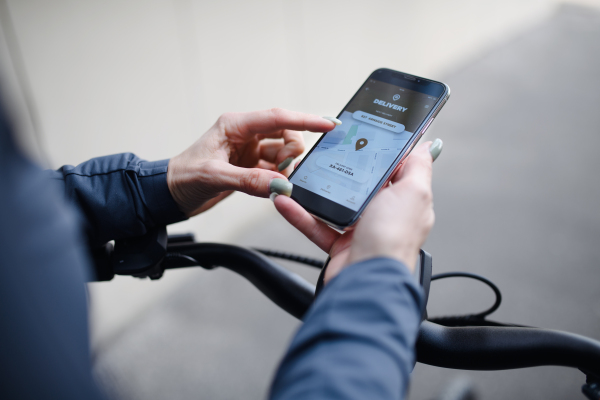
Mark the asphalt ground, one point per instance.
(517, 198)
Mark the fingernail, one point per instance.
(281, 186)
(436, 148)
(285, 163)
(272, 197)
(334, 120)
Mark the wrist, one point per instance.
(407, 255)
(174, 185)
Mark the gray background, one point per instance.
(516, 188)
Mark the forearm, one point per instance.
(119, 195)
(357, 341)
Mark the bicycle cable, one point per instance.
(292, 257)
(478, 316)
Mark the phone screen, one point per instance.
(348, 163)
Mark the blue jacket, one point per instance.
(357, 341)
(358, 338)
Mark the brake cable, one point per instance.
(477, 319)
(292, 257)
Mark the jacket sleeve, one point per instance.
(119, 196)
(43, 266)
(358, 338)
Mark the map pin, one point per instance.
(360, 143)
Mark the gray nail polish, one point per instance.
(436, 148)
(285, 163)
(334, 120)
(281, 186)
(272, 197)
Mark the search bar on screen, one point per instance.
(378, 121)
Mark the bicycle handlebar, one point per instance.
(470, 348)
(498, 348)
(286, 289)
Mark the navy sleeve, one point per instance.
(358, 338)
(43, 269)
(119, 196)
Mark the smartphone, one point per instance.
(381, 124)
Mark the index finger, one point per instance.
(274, 120)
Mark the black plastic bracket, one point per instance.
(425, 271)
(101, 261)
(141, 256)
(591, 391)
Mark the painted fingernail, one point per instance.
(281, 186)
(334, 120)
(272, 197)
(436, 148)
(285, 163)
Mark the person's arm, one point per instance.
(122, 196)
(357, 341)
(119, 196)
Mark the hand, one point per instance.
(234, 155)
(395, 224)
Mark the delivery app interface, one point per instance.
(349, 161)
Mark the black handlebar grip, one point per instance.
(498, 348)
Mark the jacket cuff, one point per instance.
(372, 270)
(359, 267)
(159, 201)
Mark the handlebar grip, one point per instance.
(497, 348)
(286, 289)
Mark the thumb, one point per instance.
(253, 181)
